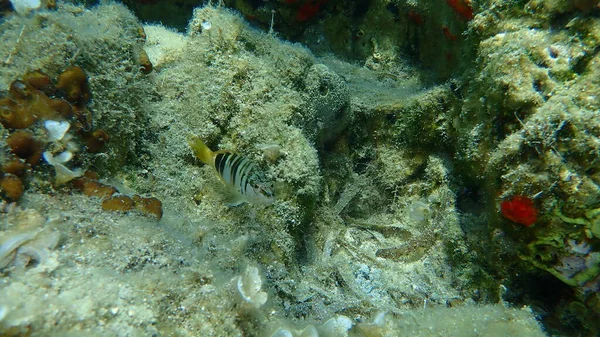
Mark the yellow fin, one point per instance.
(201, 151)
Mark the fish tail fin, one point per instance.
(201, 151)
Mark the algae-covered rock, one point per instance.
(52, 41)
(235, 88)
(528, 127)
(327, 113)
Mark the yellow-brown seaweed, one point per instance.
(39, 80)
(16, 166)
(145, 62)
(12, 187)
(24, 145)
(151, 206)
(118, 203)
(93, 188)
(73, 83)
(14, 115)
(95, 140)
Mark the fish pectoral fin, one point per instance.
(231, 196)
(235, 201)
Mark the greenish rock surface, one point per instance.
(528, 127)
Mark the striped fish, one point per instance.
(239, 173)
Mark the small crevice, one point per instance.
(581, 65)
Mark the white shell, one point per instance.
(56, 129)
(63, 174)
(282, 333)
(206, 25)
(336, 327)
(63, 157)
(25, 6)
(49, 158)
(249, 284)
(309, 331)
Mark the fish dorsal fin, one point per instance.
(201, 151)
(222, 151)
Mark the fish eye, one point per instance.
(262, 189)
